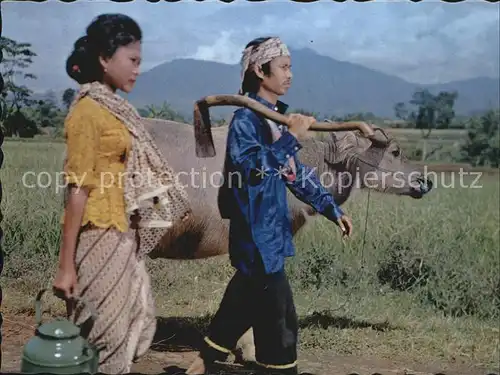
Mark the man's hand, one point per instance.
(299, 124)
(345, 225)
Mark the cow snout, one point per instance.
(421, 187)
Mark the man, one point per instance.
(262, 156)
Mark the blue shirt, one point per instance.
(254, 193)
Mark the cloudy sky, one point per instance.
(425, 42)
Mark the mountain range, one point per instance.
(320, 84)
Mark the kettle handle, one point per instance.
(38, 308)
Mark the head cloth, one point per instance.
(261, 54)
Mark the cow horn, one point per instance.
(202, 126)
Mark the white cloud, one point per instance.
(223, 49)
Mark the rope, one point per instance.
(361, 159)
(364, 233)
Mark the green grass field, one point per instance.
(424, 287)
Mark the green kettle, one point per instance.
(58, 348)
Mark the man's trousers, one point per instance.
(265, 303)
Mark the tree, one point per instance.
(482, 147)
(17, 58)
(19, 124)
(68, 96)
(47, 113)
(428, 112)
(401, 111)
(164, 112)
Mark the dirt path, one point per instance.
(173, 357)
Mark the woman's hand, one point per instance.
(65, 282)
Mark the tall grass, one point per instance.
(421, 280)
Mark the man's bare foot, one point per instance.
(197, 367)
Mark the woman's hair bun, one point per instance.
(82, 42)
(82, 64)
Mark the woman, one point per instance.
(120, 200)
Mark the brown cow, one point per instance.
(346, 158)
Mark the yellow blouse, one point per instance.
(97, 146)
